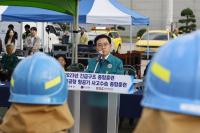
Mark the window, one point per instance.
(114, 35)
(155, 36)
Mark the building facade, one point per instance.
(157, 11)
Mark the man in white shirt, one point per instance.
(32, 43)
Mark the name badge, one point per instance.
(109, 66)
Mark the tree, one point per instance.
(188, 22)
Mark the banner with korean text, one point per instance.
(123, 84)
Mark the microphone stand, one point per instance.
(98, 59)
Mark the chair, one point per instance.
(20, 52)
(130, 104)
(77, 67)
(60, 49)
(130, 70)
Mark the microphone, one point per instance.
(99, 57)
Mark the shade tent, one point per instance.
(30, 14)
(90, 12)
(136, 18)
(109, 12)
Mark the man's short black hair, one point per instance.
(100, 37)
(34, 28)
(11, 26)
(27, 26)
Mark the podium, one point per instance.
(96, 111)
(91, 118)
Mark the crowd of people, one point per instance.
(31, 41)
(31, 45)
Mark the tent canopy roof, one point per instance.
(64, 6)
(31, 14)
(90, 11)
(109, 12)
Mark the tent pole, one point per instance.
(43, 36)
(169, 14)
(131, 40)
(148, 42)
(75, 35)
(76, 95)
(21, 40)
(131, 30)
(71, 33)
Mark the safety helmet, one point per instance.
(173, 78)
(38, 79)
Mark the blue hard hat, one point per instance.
(38, 79)
(173, 78)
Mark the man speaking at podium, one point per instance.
(105, 63)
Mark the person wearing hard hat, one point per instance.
(38, 94)
(172, 95)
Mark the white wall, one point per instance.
(156, 10)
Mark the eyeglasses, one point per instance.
(103, 44)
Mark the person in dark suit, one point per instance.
(108, 64)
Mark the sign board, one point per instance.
(123, 84)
